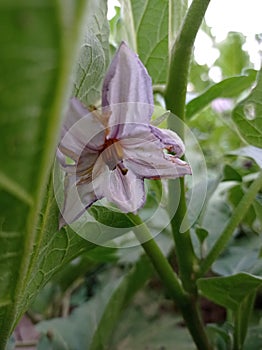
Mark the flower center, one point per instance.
(112, 155)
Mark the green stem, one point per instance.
(234, 221)
(175, 96)
(159, 261)
(186, 303)
(241, 320)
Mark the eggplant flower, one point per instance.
(114, 151)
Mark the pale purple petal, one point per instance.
(148, 160)
(81, 131)
(129, 118)
(75, 111)
(77, 199)
(127, 81)
(170, 140)
(126, 191)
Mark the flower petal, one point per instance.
(126, 191)
(147, 159)
(127, 118)
(81, 132)
(77, 199)
(127, 81)
(170, 140)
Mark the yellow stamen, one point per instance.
(113, 155)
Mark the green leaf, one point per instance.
(242, 255)
(201, 234)
(221, 335)
(131, 283)
(232, 58)
(216, 213)
(235, 195)
(254, 338)
(177, 12)
(230, 291)
(40, 40)
(228, 88)
(230, 174)
(52, 251)
(150, 323)
(93, 56)
(145, 28)
(112, 218)
(247, 115)
(237, 293)
(91, 325)
(242, 319)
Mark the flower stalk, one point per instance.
(175, 98)
(185, 301)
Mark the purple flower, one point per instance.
(114, 151)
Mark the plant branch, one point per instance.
(165, 271)
(175, 96)
(181, 52)
(234, 221)
(185, 302)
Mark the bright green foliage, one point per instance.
(230, 291)
(248, 115)
(93, 323)
(39, 41)
(232, 56)
(145, 26)
(236, 293)
(230, 87)
(93, 56)
(110, 217)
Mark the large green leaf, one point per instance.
(90, 326)
(232, 58)
(93, 56)
(145, 27)
(248, 115)
(122, 296)
(236, 292)
(53, 250)
(242, 255)
(229, 291)
(177, 12)
(39, 41)
(228, 88)
(151, 323)
(110, 217)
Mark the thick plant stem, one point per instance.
(159, 261)
(234, 221)
(185, 302)
(175, 96)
